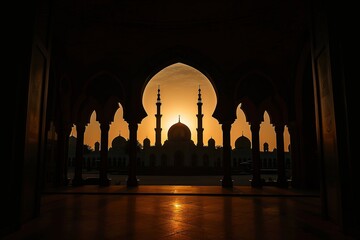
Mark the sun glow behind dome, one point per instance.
(185, 119)
(179, 85)
(179, 131)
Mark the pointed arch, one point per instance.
(102, 92)
(255, 86)
(180, 54)
(104, 85)
(276, 108)
(165, 87)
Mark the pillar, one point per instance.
(65, 162)
(255, 148)
(59, 170)
(132, 180)
(280, 156)
(295, 156)
(103, 178)
(227, 180)
(78, 181)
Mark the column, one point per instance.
(59, 171)
(62, 154)
(280, 156)
(227, 180)
(255, 148)
(67, 131)
(78, 181)
(132, 180)
(103, 178)
(295, 156)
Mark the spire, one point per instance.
(158, 119)
(199, 94)
(199, 116)
(179, 118)
(158, 95)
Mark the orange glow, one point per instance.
(177, 205)
(179, 84)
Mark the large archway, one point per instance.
(179, 84)
(174, 95)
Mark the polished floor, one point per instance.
(179, 212)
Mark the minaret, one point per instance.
(158, 120)
(200, 129)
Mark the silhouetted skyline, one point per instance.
(290, 61)
(179, 85)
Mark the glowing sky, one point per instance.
(179, 86)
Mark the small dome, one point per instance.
(97, 146)
(179, 132)
(146, 142)
(118, 142)
(242, 143)
(211, 142)
(266, 147)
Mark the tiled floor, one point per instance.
(179, 212)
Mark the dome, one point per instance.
(242, 143)
(211, 142)
(179, 132)
(118, 142)
(146, 142)
(97, 146)
(266, 147)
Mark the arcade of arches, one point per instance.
(180, 155)
(289, 59)
(257, 93)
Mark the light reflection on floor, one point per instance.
(175, 216)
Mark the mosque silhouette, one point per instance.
(291, 59)
(179, 155)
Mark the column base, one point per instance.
(132, 182)
(104, 182)
(256, 183)
(226, 182)
(282, 184)
(67, 182)
(77, 182)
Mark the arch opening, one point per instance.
(179, 92)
